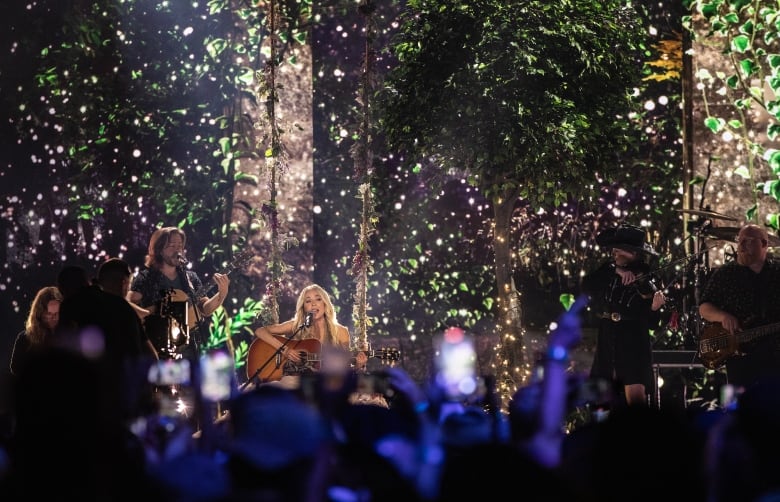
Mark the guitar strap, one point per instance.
(189, 290)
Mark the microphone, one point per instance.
(182, 259)
(730, 255)
(309, 318)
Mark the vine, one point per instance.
(743, 32)
(362, 155)
(276, 159)
(258, 84)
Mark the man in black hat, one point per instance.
(624, 295)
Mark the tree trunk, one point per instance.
(510, 372)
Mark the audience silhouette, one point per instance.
(316, 444)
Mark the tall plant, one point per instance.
(144, 113)
(529, 99)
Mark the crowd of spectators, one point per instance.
(413, 442)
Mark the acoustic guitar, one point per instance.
(716, 345)
(177, 305)
(261, 353)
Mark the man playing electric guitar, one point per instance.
(743, 294)
(164, 296)
(314, 319)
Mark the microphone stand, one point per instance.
(276, 355)
(700, 269)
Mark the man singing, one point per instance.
(167, 296)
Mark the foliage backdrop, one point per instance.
(123, 115)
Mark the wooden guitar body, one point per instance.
(177, 305)
(716, 344)
(260, 354)
(310, 351)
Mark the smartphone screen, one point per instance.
(456, 364)
(173, 394)
(216, 372)
(169, 372)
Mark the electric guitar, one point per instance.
(177, 305)
(261, 353)
(716, 344)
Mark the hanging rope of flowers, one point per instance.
(276, 158)
(362, 156)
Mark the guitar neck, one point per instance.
(756, 333)
(205, 289)
(237, 262)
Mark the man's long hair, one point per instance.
(158, 241)
(35, 326)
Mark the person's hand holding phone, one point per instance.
(545, 445)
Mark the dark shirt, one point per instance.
(21, 353)
(125, 351)
(623, 347)
(123, 333)
(754, 299)
(609, 295)
(154, 288)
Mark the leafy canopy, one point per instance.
(528, 96)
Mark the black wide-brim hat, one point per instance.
(626, 237)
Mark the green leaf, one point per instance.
(215, 47)
(773, 220)
(772, 188)
(772, 157)
(714, 124)
(750, 214)
(736, 5)
(224, 146)
(567, 300)
(697, 180)
(748, 67)
(747, 28)
(774, 83)
(709, 10)
(773, 132)
(247, 76)
(740, 43)
(742, 172)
